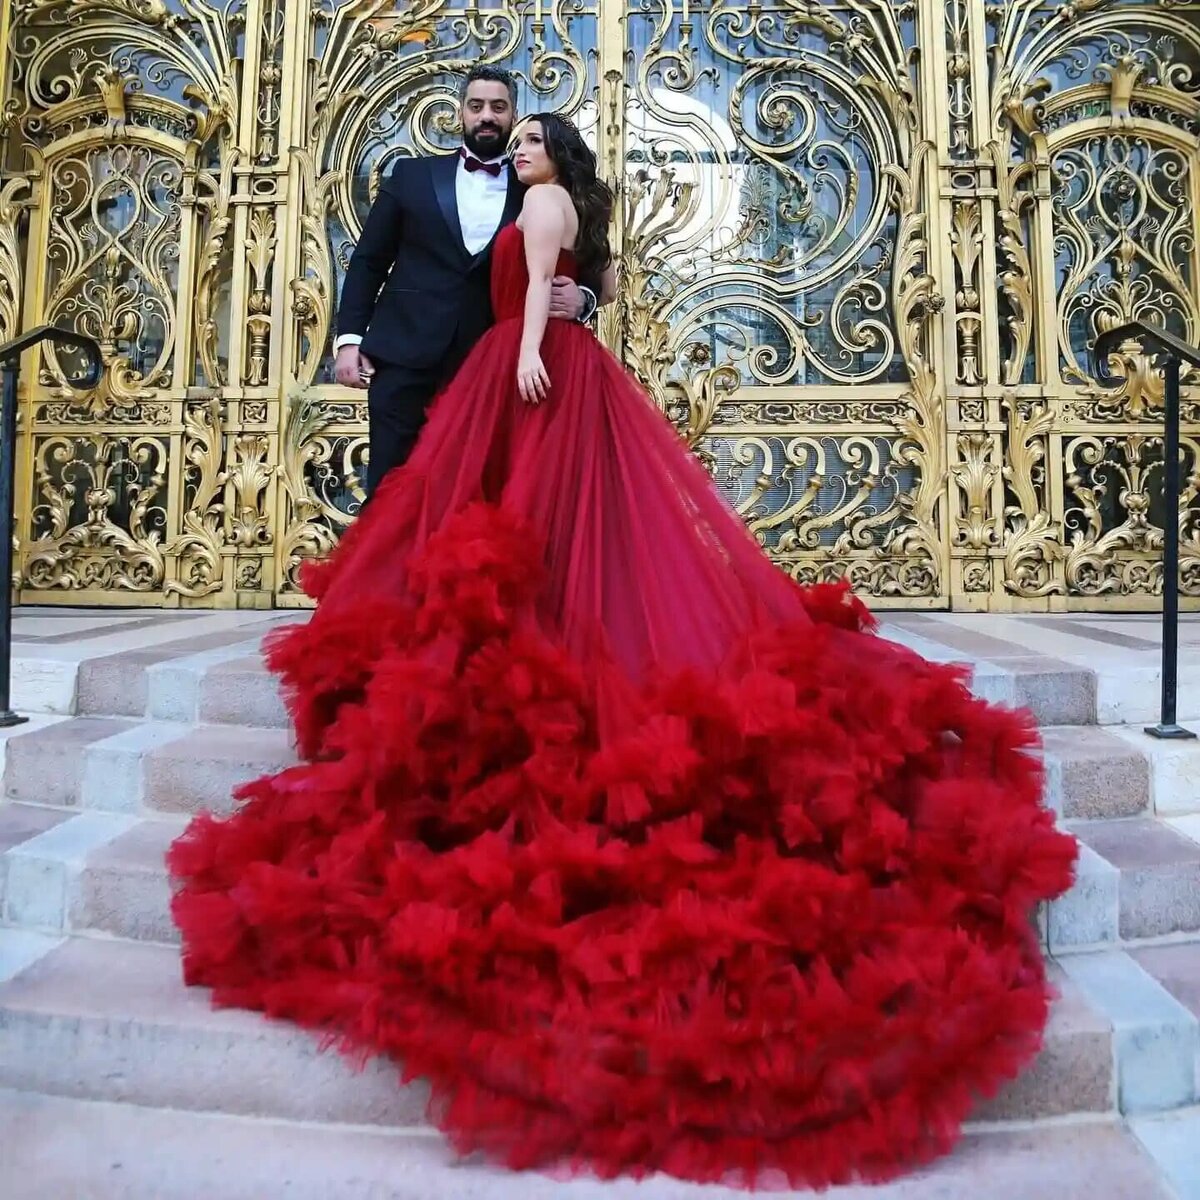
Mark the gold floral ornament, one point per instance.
(862, 280)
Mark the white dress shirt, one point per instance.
(481, 198)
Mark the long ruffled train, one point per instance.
(646, 858)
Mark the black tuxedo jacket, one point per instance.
(412, 289)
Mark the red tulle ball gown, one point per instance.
(643, 856)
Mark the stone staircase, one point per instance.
(98, 1034)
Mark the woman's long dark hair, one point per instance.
(592, 197)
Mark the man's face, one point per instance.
(487, 115)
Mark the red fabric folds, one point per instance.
(646, 858)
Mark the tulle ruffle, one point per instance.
(776, 920)
(645, 858)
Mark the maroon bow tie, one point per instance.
(473, 164)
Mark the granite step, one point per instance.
(1105, 772)
(1138, 876)
(1107, 664)
(200, 770)
(1174, 770)
(241, 692)
(58, 1147)
(111, 1019)
(219, 677)
(1057, 692)
(1176, 967)
(123, 889)
(104, 873)
(149, 673)
(117, 764)
(91, 872)
(1094, 774)
(1170, 1140)
(100, 871)
(1137, 880)
(46, 764)
(231, 685)
(234, 687)
(113, 880)
(1069, 669)
(1156, 1038)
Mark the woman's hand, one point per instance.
(532, 381)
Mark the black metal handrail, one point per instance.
(1176, 352)
(10, 366)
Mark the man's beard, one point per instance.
(492, 145)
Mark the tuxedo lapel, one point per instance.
(444, 170)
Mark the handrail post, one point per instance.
(1168, 724)
(1177, 352)
(10, 365)
(8, 447)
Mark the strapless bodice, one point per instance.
(510, 278)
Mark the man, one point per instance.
(416, 297)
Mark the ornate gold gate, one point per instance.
(865, 245)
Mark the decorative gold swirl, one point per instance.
(1033, 542)
(799, 186)
(15, 198)
(198, 548)
(260, 249)
(98, 475)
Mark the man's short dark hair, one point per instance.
(485, 73)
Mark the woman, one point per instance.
(642, 855)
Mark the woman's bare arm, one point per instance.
(543, 223)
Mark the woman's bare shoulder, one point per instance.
(549, 203)
(546, 197)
